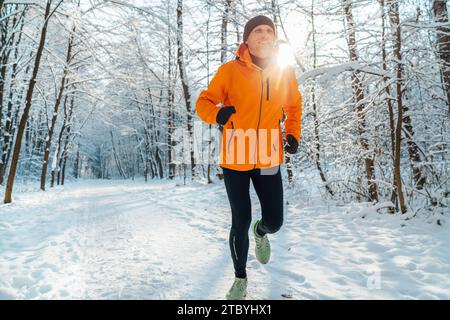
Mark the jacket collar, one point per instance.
(243, 54)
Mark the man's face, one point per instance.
(261, 41)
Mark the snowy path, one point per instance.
(130, 240)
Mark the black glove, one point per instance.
(224, 114)
(291, 144)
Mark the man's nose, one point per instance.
(266, 34)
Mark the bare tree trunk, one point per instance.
(185, 85)
(413, 151)
(152, 168)
(5, 44)
(314, 106)
(386, 79)
(3, 61)
(156, 136)
(48, 141)
(63, 173)
(26, 111)
(224, 32)
(170, 113)
(144, 159)
(8, 132)
(395, 23)
(7, 142)
(443, 39)
(59, 144)
(68, 124)
(159, 164)
(222, 56)
(76, 167)
(154, 159)
(275, 11)
(63, 155)
(67, 141)
(387, 88)
(288, 157)
(170, 130)
(144, 115)
(52, 179)
(359, 98)
(59, 147)
(147, 158)
(116, 157)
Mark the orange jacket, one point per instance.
(252, 137)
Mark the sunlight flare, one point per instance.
(285, 55)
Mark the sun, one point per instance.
(285, 55)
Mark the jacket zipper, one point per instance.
(267, 89)
(259, 117)
(231, 138)
(279, 128)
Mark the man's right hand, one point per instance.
(224, 114)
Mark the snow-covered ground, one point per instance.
(131, 240)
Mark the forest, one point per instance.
(107, 89)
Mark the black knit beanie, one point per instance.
(256, 21)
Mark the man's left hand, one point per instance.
(291, 144)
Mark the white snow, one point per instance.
(130, 240)
(328, 73)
